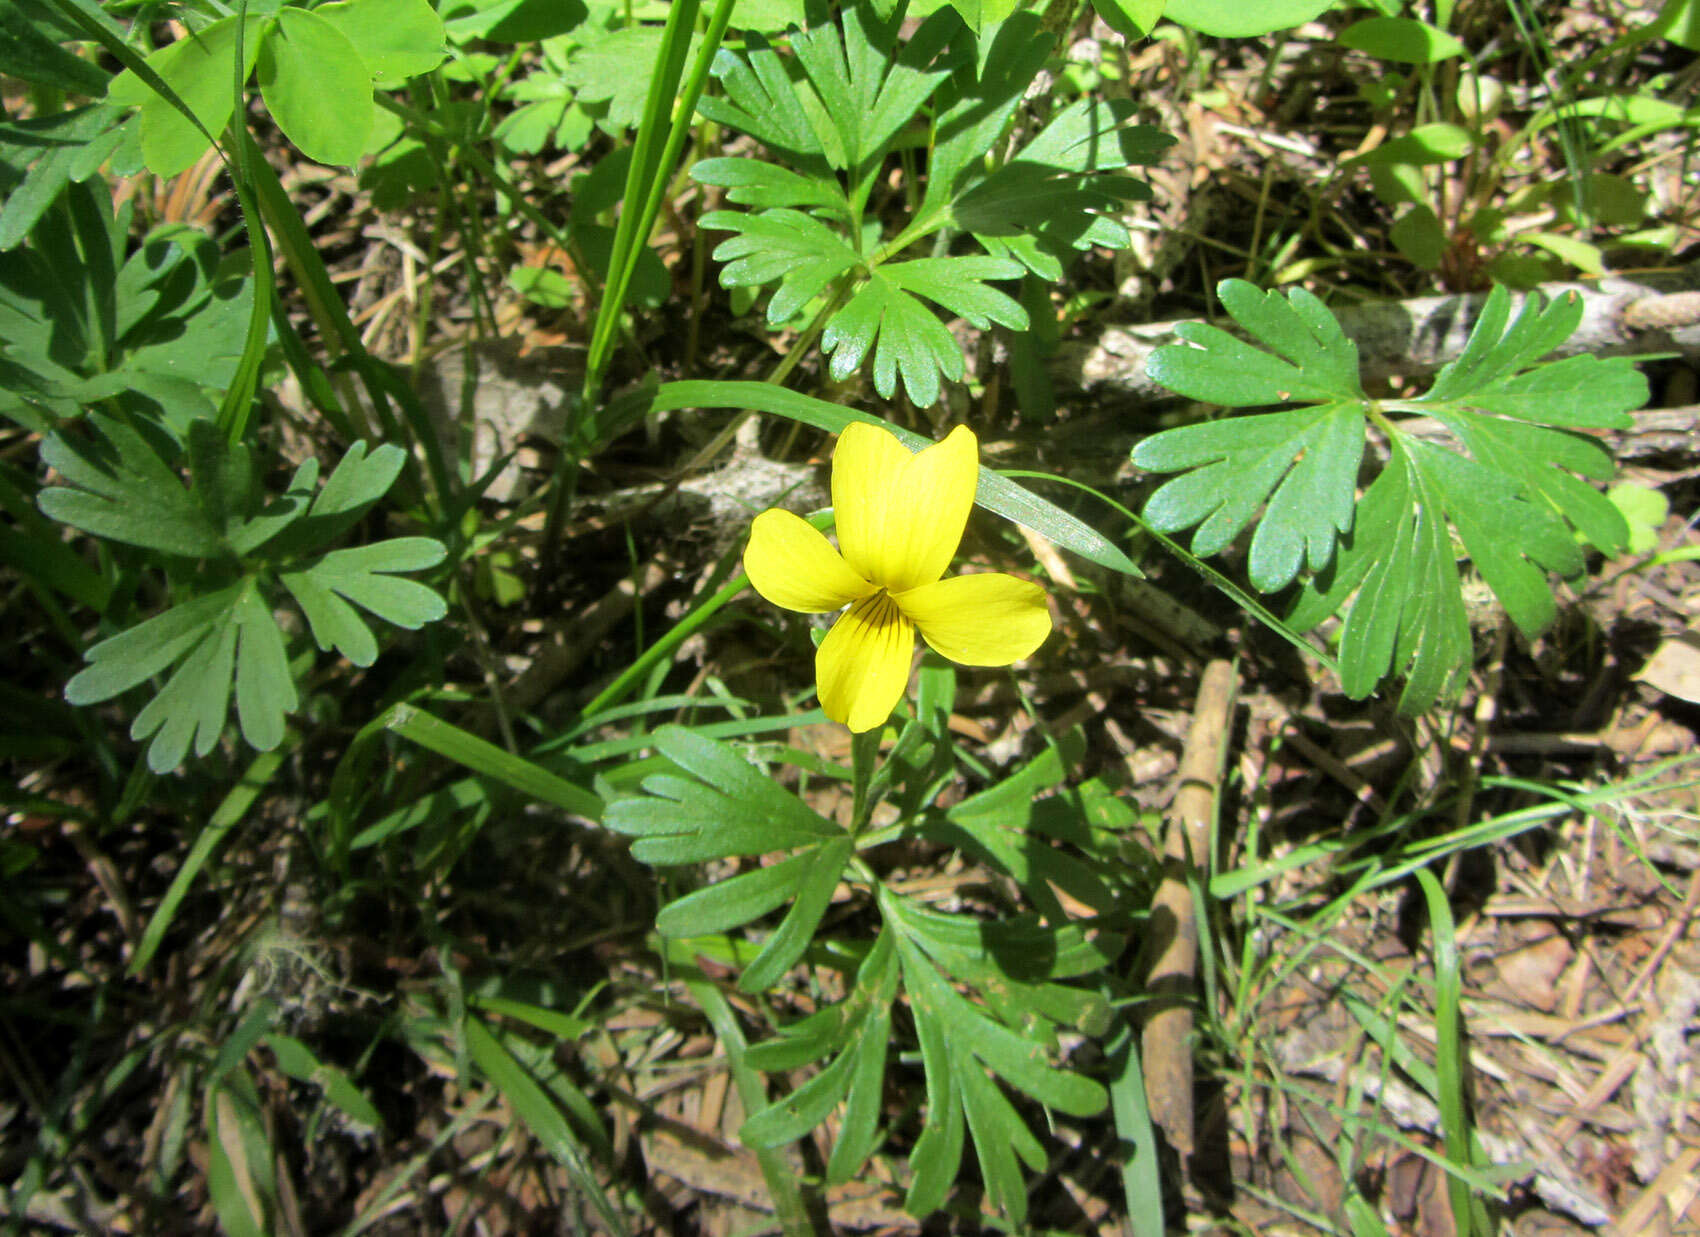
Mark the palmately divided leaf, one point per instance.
(858, 1030)
(798, 250)
(1312, 454)
(906, 337)
(1056, 193)
(120, 662)
(870, 82)
(118, 487)
(1538, 458)
(960, 1043)
(1513, 495)
(750, 182)
(725, 807)
(761, 101)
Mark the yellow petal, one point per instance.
(900, 516)
(862, 666)
(981, 620)
(794, 566)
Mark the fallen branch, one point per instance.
(1166, 1043)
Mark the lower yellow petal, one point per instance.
(862, 666)
(794, 566)
(981, 620)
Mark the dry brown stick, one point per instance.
(1172, 947)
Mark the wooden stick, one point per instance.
(1172, 945)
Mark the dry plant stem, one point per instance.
(1167, 1038)
(567, 644)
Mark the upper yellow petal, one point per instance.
(900, 516)
(862, 666)
(794, 566)
(981, 620)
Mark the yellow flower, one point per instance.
(900, 517)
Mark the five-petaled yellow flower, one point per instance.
(900, 518)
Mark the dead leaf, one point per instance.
(1532, 972)
(1675, 668)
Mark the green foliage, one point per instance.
(158, 332)
(863, 92)
(1404, 40)
(712, 805)
(1512, 497)
(317, 70)
(119, 487)
(1229, 19)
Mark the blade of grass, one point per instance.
(225, 817)
(781, 1178)
(1142, 1182)
(482, 756)
(646, 184)
(1242, 598)
(330, 315)
(238, 401)
(997, 493)
(1469, 1212)
(629, 678)
(531, 1103)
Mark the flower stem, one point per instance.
(864, 754)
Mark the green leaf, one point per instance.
(355, 485)
(750, 182)
(1233, 19)
(264, 691)
(761, 101)
(871, 82)
(52, 148)
(32, 51)
(1643, 511)
(397, 39)
(798, 250)
(975, 109)
(723, 807)
(1052, 193)
(1418, 234)
(486, 759)
(496, 1057)
(1432, 143)
(1513, 496)
(959, 1043)
(905, 336)
(1298, 468)
(1403, 40)
(120, 662)
(1132, 19)
(317, 86)
(615, 69)
(119, 488)
(363, 574)
(858, 1030)
(298, 1061)
(201, 68)
(241, 1172)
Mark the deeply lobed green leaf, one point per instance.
(1513, 495)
